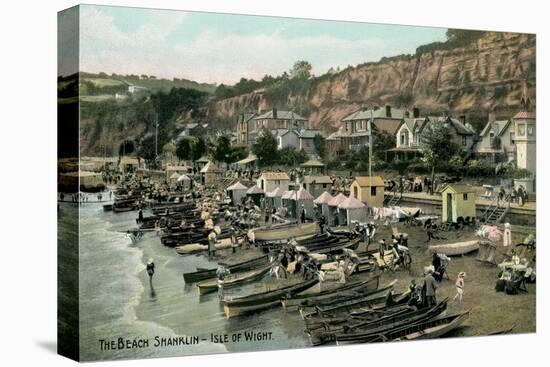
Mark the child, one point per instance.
(459, 286)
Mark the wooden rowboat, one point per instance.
(455, 249)
(259, 301)
(204, 274)
(292, 304)
(430, 329)
(285, 231)
(232, 280)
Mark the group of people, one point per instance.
(516, 196)
(426, 294)
(399, 248)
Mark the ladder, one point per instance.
(494, 213)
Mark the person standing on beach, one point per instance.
(459, 286)
(150, 269)
(431, 287)
(507, 235)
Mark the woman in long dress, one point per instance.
(507, 236)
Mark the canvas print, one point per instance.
(233, 183)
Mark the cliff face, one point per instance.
(490, 74)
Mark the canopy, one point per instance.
(351, 203)
(254, 190)
(184, 178)
(302, 194)
(337, 199)
(275, 193)
(237, 186)
(251, 158)
(288, 194)
(324, 198)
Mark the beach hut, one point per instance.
(286, 199)
(275, 197)
(336, 216)
(210, 174)
(302, 198)
(316, 185)
(354, 210)
(322, 203)
(201, 162)
(255, 194)
(184, 182)
(269, 181)
(236, 192)
(369, 190)
(457, 201)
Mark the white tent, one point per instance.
(322, 202)
(354, 209)
(336, 216)
(276, 197)
(237, 191)
(302, 198)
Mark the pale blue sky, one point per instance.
(222, 48)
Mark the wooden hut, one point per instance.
(255, 194)
(316, 185)
(210, 174)
(275, 197)
(336, 216)
(313, 167)
(354, 210)
(322, 203)
(457, 201)
(184, 182)
(236, 192)
(269, 181)
(369, 190)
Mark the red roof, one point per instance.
(525, 115)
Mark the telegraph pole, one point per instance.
(370, 143)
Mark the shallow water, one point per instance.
(117, 300)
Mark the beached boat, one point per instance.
(354, 288)
(285, 231)
(232, 280)
(204, 274)
(364, 329)
(259, 301)
(455, 249)
(385, 329)
(430, 329)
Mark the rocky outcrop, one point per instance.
(490, 74)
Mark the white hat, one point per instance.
(150, 261)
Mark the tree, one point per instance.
(381, 142)
(198, 149)
(222, 149)
(265, 148)
(301, 70)
(439, 147)
(320, 144)
(291, 157)
(183, 149)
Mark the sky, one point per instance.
(222, 48)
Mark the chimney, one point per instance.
(492, 117)
(463, 119)
(416, 112)
(388, 110)
(274, 113)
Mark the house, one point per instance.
(279, 119)
(369, 190)
(286, 138)
(354, 134)
(316, 185)
(457, 201)
(496, 140)
(134, 89)
(306, 140)
(410, 135)
(245, 126)
(269, 181)
(192, 130)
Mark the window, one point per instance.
(373, 191)
(355, 194)
(465, 196)
(305, 186)
(464, 140)
(512, 137)
(324, 186)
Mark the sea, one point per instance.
(120, 307)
